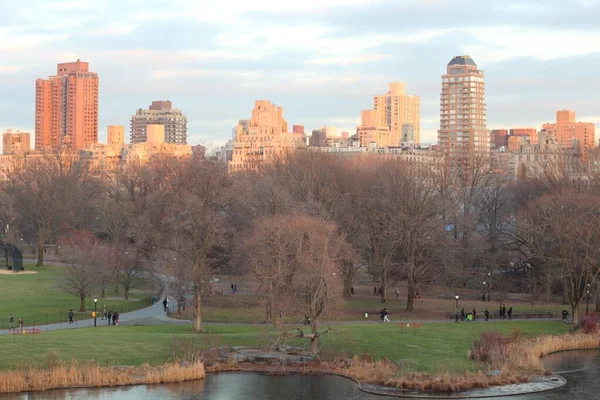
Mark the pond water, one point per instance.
(580, 368)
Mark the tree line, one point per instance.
(305, 224)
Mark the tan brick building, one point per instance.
(263, 138)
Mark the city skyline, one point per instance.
(322, 63)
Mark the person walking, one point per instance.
(397, 293)
(114, 318)
(351, 290)
(232, 292)
(385, 315)
(104, 312)
(487, 315)
(374, 290)
(21, 323)
(70, 315)
(462, 314)
(510, 313)
(382, 314)
(11, 322)
(165, 304)
(109, 316)
(503, 311)
(500, 312)
(474, 314)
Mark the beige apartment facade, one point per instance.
(116, 136)
(15, 143)
(263, 138)
(396, 110)
(463, 136)
(160, 113)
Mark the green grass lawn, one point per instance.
(435, 347)
(38, 298)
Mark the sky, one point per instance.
(322, 60)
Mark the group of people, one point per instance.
(11, 322)
(111, 316)
(234, 289)
(503, 312)
(471, 315)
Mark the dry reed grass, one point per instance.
(91, 375)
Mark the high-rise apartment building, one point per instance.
(15, 143)
(463, 137)
(262, 138)
(398, 111)
(160, 113)
(568, 132)
(66, 108)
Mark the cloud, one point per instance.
(316, 58)
(8, 69)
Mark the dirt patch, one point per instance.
(9, 272)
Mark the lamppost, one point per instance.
(489, 285)
(587, 300)
(95, 304)
(484, 291)
(456, 310)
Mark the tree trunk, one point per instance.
(126, 287)
(410, 296)
(197, 312)
(314, 342)
(575, 313)
(384, 288)
(347, 286)
(40, 251)
(82, 304)
(597, 296)
(103, 292)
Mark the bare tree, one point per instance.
(418, 227)
(196, 223)
(298, 260)
(45, 190)
(562, 229)
(82, 255)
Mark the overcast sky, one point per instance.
(322, 60)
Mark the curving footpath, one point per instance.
(154, 315)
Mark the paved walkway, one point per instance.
(146, 316)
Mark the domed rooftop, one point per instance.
(462, 60)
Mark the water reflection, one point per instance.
(583, 384)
